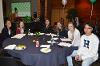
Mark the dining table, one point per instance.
(33, 56)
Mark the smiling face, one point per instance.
(88, 29)
(21, 24)
(71, 27)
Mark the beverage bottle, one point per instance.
(37, 43)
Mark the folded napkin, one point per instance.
(51, 42)
(54, 38)
(10, 47)
(51, 34)
(47, 46)
(65, 39)
(65, 44)
(40, 34)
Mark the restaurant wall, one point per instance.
(59, 12)
(84, 8)
(1, 16)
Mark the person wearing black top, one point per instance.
(6, 31)
(61, 30)
(47, 27)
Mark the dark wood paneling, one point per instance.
(58, 11)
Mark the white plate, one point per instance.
(45, 50)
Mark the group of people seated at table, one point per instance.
(87, 44)
(57, 28)
(7, 31)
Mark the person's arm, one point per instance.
(80, 50)
(76, 38)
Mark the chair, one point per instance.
(9, 61)
(1, 40)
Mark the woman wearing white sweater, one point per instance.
(88, 50)
(74, 35)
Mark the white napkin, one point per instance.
(30, 34)
(51, 34)
(65, 39)
(19, 36)
(47, 46)
(41, 33)
(54, 38)
(11, 47)
(65, 44)
(51, 42)
(47, 34)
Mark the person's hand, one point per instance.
(77, 58)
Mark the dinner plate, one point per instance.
(45, 50)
